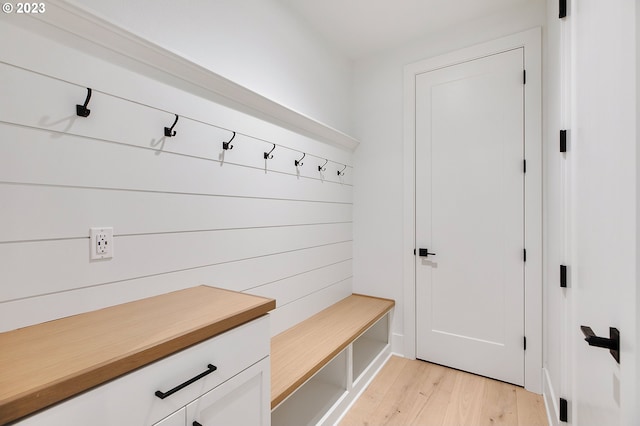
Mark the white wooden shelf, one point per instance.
(367, 347)
(200, 80)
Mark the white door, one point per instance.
(470, 213)
(603, 163)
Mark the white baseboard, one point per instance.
(397, 344)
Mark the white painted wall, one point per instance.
(259, 44)
(378, 160)
(183, 213)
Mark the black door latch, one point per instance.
(423, 252)
(612, 343)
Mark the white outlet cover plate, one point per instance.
(104, 236)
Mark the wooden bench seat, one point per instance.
(302, 350)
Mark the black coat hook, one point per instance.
(227, 145)
(299, 162)
(323, 168)
(267, 155)
(341, 172)
(82, 110)
(169, 132)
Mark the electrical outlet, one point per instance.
(101, 243)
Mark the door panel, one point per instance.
(470, 212)
(603, 181)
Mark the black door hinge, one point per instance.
(562, 9)
(563, 141)
(563, 410)
(524, 76)
(524, 254)
(524, 342)
(524, 166)
(563, 276)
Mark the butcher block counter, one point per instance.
(46, 363)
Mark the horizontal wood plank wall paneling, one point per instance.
(298, 286)
(144, 126)
(65, 160)
(241, 275)
(67, 265)
(185, 212)
(155, 212)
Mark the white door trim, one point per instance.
(531, 41)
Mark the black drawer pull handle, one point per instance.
(163, 395)
(612, 343)
(196, 423)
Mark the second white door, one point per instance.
(470, 213)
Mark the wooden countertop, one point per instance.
(46, 363)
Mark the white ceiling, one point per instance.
(360, 27)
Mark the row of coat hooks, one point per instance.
(83, 111)
(268, 155)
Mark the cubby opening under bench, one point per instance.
(321, 365)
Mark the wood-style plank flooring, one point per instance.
(411, 392)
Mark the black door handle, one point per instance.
(196, 424)
(423, 252)
(612, 343)
(163, 395)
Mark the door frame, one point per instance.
(530, 40)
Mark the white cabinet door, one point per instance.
(178, 418)
(242, 400)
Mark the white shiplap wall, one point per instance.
(184, 212)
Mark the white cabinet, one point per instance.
(241, 401)
(241, 358)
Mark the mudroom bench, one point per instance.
(320, 365)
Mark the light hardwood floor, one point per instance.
(411, 392)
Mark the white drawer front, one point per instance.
(242, 401)
(130, 400)
(176, 419)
